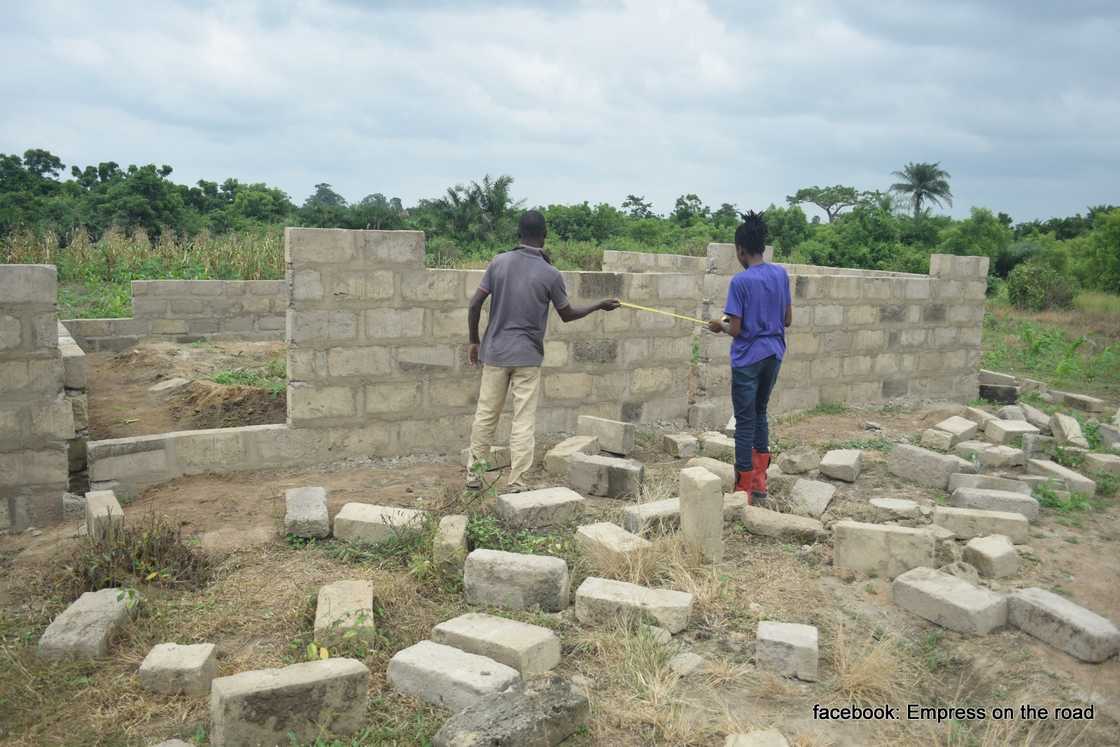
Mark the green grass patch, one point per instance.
(486, 532)
(273, 377)
(828, 408)
(1075, 503)
(877, 443)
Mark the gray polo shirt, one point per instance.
(521, 284)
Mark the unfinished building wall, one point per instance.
(36, 419)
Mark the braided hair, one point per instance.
(750, 236)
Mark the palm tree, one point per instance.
(923, 182)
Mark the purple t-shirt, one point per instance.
(759, 296)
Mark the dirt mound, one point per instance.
(204, 404)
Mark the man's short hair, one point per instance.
(531, 226)
(750, 236)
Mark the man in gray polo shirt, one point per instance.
(522, 283)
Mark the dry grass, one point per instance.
(871, 671)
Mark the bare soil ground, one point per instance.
(120, 404)
(259, 610)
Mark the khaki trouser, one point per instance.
(524, 383)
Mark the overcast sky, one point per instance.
(738, 102)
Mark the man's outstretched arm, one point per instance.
(572, 313)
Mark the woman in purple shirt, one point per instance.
(758, 310)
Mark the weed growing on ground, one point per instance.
(408, 547)
(1048, 498)
(273, 377)
(828, 408)
(1108, 486)
(878, 443)
(486, 532)
(1068, 458)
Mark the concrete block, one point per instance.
(994, 556)
(959, 428)
(1074, 481)
(926, 468)
(717, 446)
(1008, 432)
(1110, 436)
(306, 512)
(1063, 624)
(1081, 401)
(605, 476)
(798, 460)
(557, 460)
(174, 669)
(272, 706)
(610, 543)
(686, 664)
(988, 482)
(663, 515)
(362, 522)
(1011, 412)
(788, 527)
(1002, 456)
(104, 514)
(996, 378)
(701, 502)
(949, 601)
(811, 497)
(26, 284)
(601, 600)
(447, 677)
(539, 713)
(1108, 464)
(84, 628)
(1067, 431)
(449, 546)
(680, 445)
(530, 649)
(536, 509)
(788, 649)
(516, 581)
(896, 508)
(977, 415)
(757, 738)
(937, 440)
(969, 522)
(880, 549)
(1035, 417)
(842, 464)
(724, 471)
(995, 500)
(614, 436)
(343, 606)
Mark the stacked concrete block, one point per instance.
(516, 581)
(36, 419)
(603, 600)
(211, 309)
(75, 382)
(446, 676)
(614, 436)
(173, 668)
(612, 477)
(1064, 624)
(557, 459)
(949, 601)
(788, 649)
(530, 649)
(306, 512)
(362, 522)
(880, 549)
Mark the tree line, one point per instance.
(891, 229)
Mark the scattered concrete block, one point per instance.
(769, 523)
(558, 457)
(614, 435)
(104, 514)
(680, 445)
(1108, 464)
(1063, 624)
(1011, 412)
(757, 738)
(516, 581)
(447, 677)
(842, 464)
(530, 649)
(168, 385)
(995, 500)
(971, 450)
(1074, 482)
(701, 501)
(1008, 432)
(798, 460)
(896, 508)
(880, 549)
(949, 601)
(788, 649)
(342, 606)
(539, 713)
(967, 523)
(603, 599)
(924, 467)
(994, 556)
(265, 706)
(717, 446)
(306, 514)
(1038, 447)
(962, 570)
(722, 470)
(605, 476)
(1067, 431)
(498, 458)
(935, 439)
(1110, 436)
(959, 428)
(1002, 456)
(84, 628)
(995, 378)
(1035, 417)
(171, 668)
(536, 509)
(811, 497)
(449, 546)
(686, 663)
(977, 415)
(1081, 401)
(362, 522)
(988, 482)
(610, 542)
(1005, 395)
(642, 518)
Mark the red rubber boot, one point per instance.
(760, 461)
(743, 482)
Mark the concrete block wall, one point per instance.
(75, 376)
(188, 310)
(36, 419)
(652, 262)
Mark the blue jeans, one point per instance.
(750, 394)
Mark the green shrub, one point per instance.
(1033, 286)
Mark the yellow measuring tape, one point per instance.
(659, 311)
